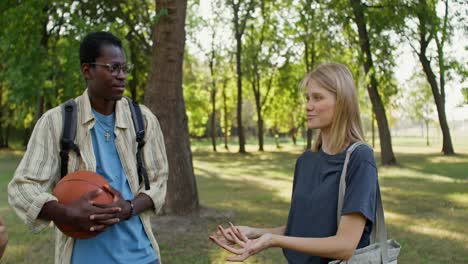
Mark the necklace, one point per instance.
(106, 128)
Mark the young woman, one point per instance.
(312, 234)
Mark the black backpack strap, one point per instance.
(67, 140)
(139, 126)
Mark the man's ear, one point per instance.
(86, 70)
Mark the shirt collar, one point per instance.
(120, 111)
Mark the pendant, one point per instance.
(107, 136)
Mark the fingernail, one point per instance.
(91, 229)
(91, 217)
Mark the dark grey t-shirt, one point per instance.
(315, 196)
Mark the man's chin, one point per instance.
(117, 97)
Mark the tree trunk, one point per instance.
(239, 28)
(213, 102)
(447, 147)
(373, 129)
(226, 122)
(309, 58)
(213, 118)
(427, 132)
(164, 96)
(240, 128)
(387, 155)
(259, 123)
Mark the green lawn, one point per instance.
(425, 197)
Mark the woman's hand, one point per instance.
(248, 247)
(227, 235)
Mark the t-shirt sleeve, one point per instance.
(361, 184)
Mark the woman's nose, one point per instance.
(309, 105)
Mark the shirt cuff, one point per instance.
(35, 208)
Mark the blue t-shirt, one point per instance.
(125, 242)
(315, 197)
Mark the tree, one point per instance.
(241, 13)
(262, 47)
(419, 106)
(164, 96)
(213, 53)
(387, 155)
(432, 28)
(285, 113)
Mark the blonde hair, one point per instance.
(346, 126)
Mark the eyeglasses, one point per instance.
(115, 68)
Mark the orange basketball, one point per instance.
(71, 187)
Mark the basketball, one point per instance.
(71, 187)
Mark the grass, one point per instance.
(425, 199)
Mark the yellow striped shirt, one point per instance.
(39, 169)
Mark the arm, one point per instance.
(258, 232)
(28, 191)
(36, 174)
(340, 246)
(155, 160)
(249, 232)
(83, 213)
(140, 203)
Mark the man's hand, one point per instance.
(86, 215)
(119, 201)
(3, 237)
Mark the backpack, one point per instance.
(67, 139)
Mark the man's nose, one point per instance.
(121, 74)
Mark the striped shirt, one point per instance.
(39, 169)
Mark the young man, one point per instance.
(106, 138)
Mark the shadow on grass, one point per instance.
(255, 163)
(455, 167)
(425, 218)
(418, 247)
(232, 200)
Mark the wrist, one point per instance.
(273, 240)
(56, 212)
(255, 233)
(131, 210)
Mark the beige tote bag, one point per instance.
(380, 250)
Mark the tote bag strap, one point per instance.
(379, 231)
